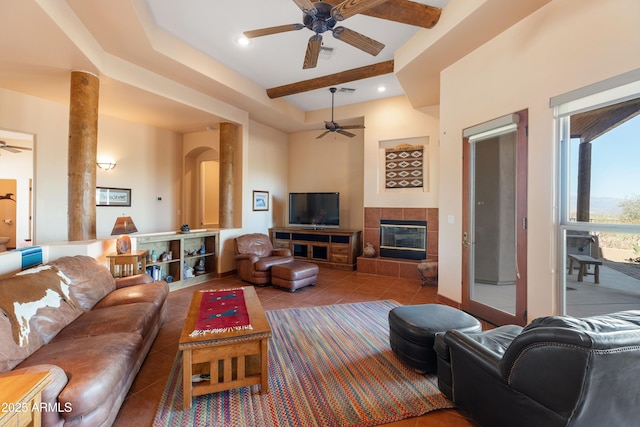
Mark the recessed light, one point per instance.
(242, 41)
(381, 88)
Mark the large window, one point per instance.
(599, 199)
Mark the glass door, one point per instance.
(494, 223)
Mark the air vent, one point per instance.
(326, 52)
(346, 90)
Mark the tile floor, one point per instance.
(333, 287)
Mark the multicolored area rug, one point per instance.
(328, 366)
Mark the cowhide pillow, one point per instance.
(34, 306)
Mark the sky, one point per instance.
(615, 161)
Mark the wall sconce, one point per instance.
(106, 165)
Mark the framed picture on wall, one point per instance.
(260, 200)
(106, 196)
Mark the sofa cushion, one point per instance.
(136, 318)
(155, 293)
(90, 280)
(265, 263)
(11, 353)
(96, 368)
(35, 304)
(255, 243)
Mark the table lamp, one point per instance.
(124, 225)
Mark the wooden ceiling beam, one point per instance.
(403, 11)
(365, 72)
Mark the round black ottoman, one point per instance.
(412, 330)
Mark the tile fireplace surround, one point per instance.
(392, 266)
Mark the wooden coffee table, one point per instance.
(231, 359)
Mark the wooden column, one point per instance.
(584, 182)
(228, 142)
(83, 143)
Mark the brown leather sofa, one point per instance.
(255, 256)
(91, 331)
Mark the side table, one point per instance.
(122, 265)
(21, 397)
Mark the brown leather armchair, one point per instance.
(255, 256)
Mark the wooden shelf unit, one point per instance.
(185, 249)
(333, 248)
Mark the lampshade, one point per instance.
(124, 225)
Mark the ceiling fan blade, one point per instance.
(345, 133)
(272, 30)
(403, 11)
(352, 7)
(352, 127)
(358, 40)
(306, 6)
(9, 148)
(322, 134)
(313, 52)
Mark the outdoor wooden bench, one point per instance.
(584, 261)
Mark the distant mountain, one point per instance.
(605, 206)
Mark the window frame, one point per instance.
(612, 91)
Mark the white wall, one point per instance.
(333, 163)
(268, 169)
(49, 122)
(395, 119)
(140, 152)
(563, 46)
(351, 165)
(149, 162)
(265, 165)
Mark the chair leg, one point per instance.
(581, 271)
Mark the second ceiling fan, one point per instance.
(332, 126)
(321, 17)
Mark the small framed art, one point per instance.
(260, 200)
(106, 196)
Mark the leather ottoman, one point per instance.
(412, 331)
(294, 275)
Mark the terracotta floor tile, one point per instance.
(333, 287)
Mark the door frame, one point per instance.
(486, 312)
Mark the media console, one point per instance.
(333, 248)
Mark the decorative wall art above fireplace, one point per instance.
(404, 166)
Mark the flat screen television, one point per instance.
(318, 210)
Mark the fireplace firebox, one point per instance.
(403, 239)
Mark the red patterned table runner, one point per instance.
(222, 311)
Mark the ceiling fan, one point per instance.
(335, 127)
(12, 148)
(320, 17)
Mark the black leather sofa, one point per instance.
(557, 371)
